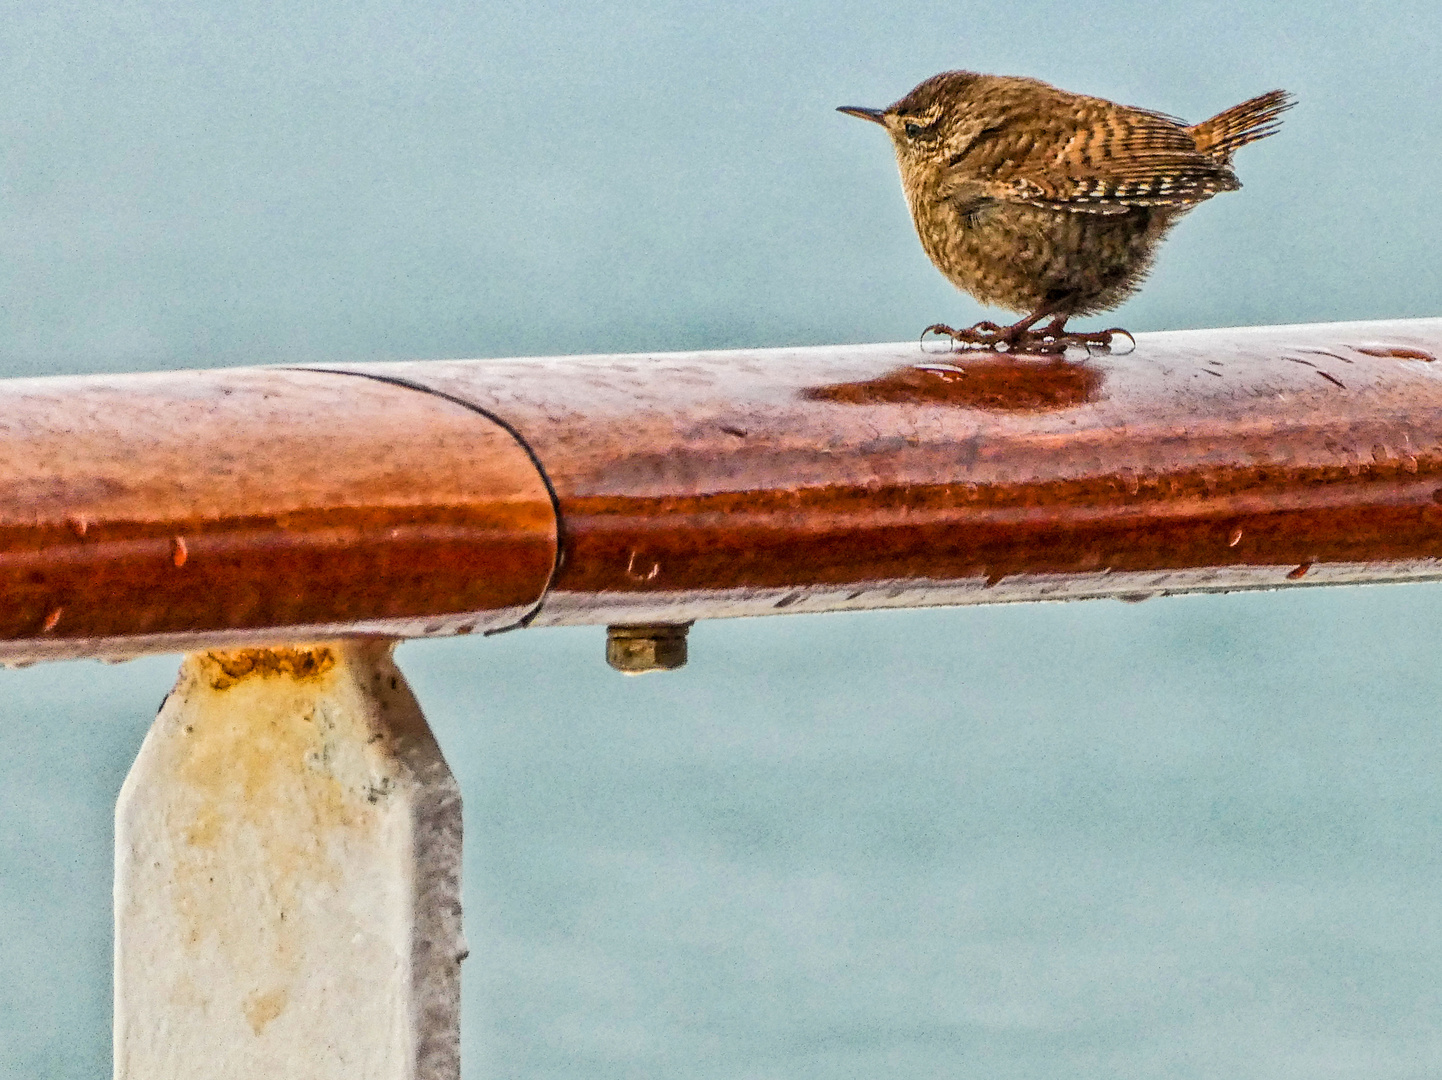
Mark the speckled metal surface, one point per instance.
(729, 483)
(185, 509)
(177, 510)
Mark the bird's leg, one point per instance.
(1017, 337)
(1055, 328)
(1020, 337)
(1052, 339)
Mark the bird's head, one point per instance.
(924, 123)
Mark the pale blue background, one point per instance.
(1193, 838)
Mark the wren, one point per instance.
(1050, 203)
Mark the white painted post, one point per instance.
(287, 876)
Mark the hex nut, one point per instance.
(635, 650)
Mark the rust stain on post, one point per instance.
(223, 670)
(242, 763)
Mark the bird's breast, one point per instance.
(1019, 257)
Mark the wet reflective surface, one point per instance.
(704, 484)
(997, 383)
(419, 499)
(144, 510)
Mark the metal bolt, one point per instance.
(635, 650)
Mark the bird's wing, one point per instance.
(1090, 156)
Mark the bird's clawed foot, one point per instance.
(984, 335)
(1097, 339)
(1050, 340)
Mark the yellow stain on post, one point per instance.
(288, 873)
(261, 1009)
(276, 766)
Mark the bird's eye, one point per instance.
(913, 129)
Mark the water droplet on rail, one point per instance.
(1235, 538)
(178, 551)
(52, 619)
(641, 567)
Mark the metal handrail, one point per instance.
(180, 510)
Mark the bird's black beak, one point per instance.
(876, 116)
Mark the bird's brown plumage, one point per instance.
(1042, 201)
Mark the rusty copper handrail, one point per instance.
(180, 509)
(169, 511)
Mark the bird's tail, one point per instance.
(1224, 133)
